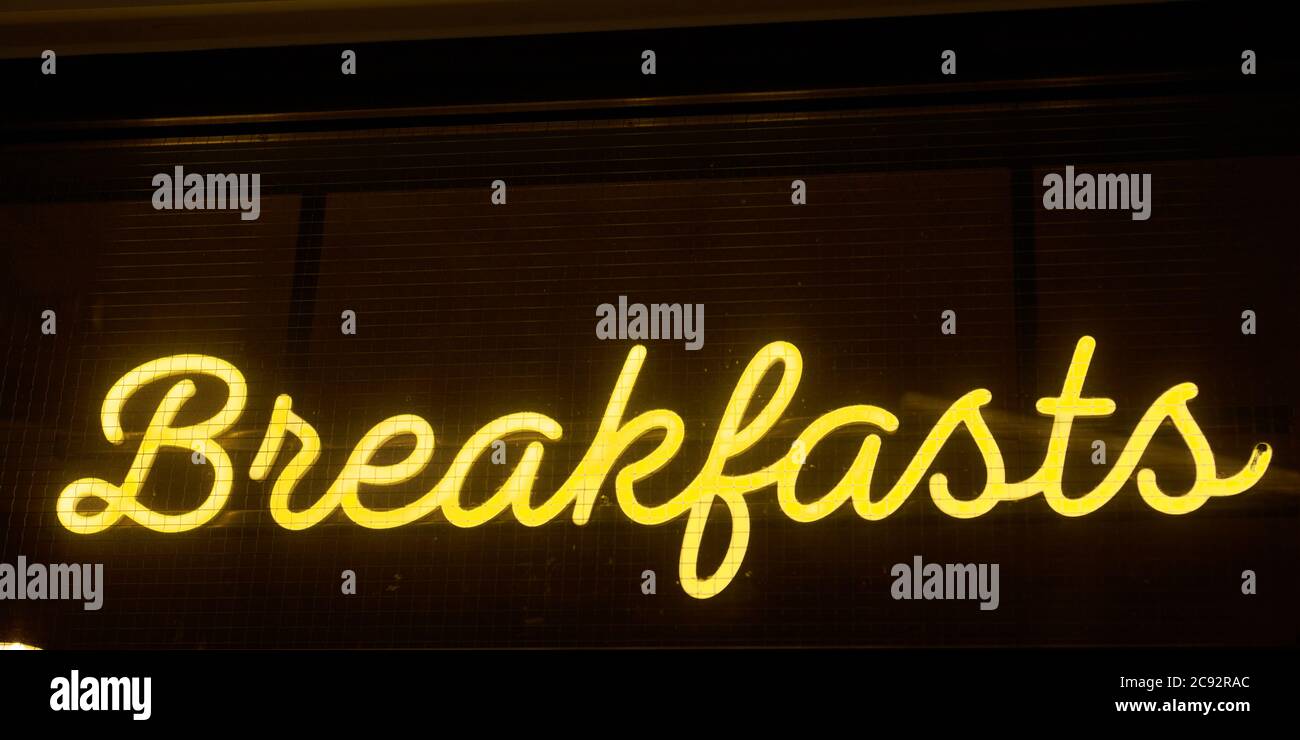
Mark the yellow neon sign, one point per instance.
(612, 440)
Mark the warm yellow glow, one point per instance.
(16, 646)
(614, 438)
(284, 420)
(122, 501)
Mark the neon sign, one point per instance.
(612, 440)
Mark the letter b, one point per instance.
(162, 433)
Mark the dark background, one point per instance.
(924, 195)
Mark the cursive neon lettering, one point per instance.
(614, 437)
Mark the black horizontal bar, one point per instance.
(1172, 44)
